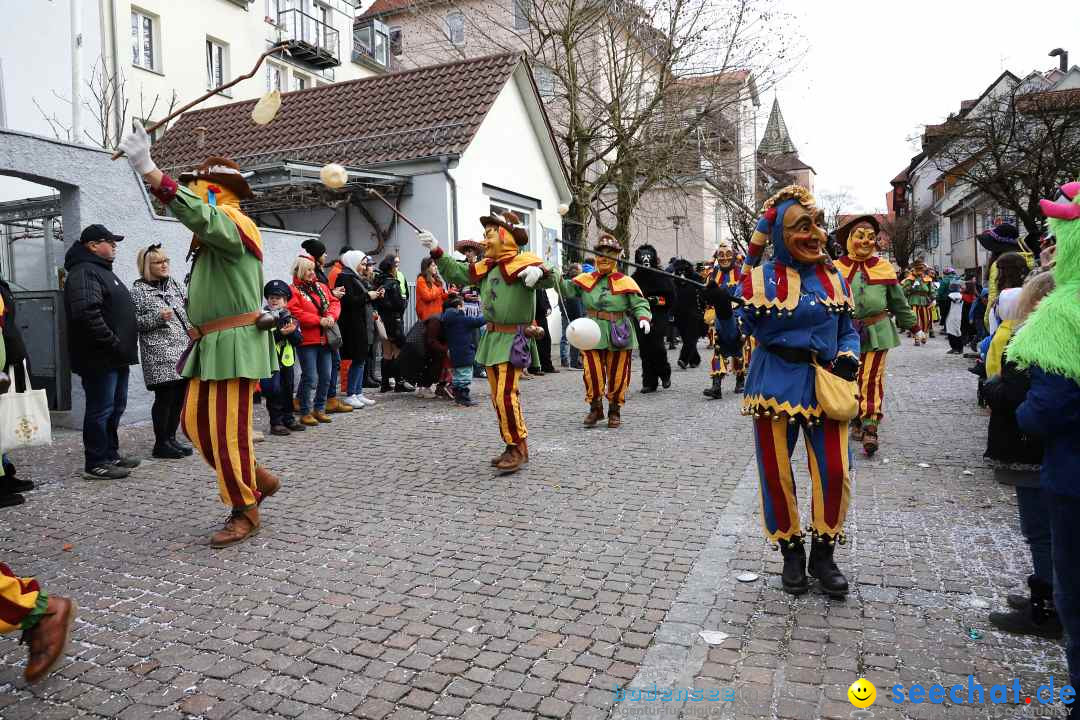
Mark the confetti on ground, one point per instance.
(747, 577)
(713, 637)
(924, 465)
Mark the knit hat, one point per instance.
(315, 248)
(352, 259)
(279, 288)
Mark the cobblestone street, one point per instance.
(397, 577)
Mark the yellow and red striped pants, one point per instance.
(606, 369)
(506, 400)
(871, 386)
(19, 598)
(925, 317)
(217, 419)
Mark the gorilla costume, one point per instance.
(689, 312)
(659, 290)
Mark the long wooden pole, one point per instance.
(210, 94)
(633, 264)
(394, 210)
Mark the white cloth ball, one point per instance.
(333, 176)
(583, 333)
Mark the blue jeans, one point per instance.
(1035, 525)
(335, 372)
(462, 376)
(564, 347)
(106, 399)
(355, 380)
(315, 364)
(1063, 511)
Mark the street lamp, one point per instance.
(676, 220)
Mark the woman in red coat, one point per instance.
(317, 310)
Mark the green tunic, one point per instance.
(227, 280)
(919, 291)
(504, 302)
(626, 298)
(873, 299)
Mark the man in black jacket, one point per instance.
(103, 343)
(659, 290)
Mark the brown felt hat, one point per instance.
(844, 230)
(223, 172)
(607, 242)
(507, 221)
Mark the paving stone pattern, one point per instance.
(397, 577)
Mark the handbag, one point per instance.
(333, 336)
(380, 329)
(620, 333)
(839, 398)
(520, 350)
(24, 417)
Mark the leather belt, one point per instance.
(196, 332)
(792, 355)
(604, 315)
(872, 319)
(509, 329)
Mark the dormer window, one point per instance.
(371, 42)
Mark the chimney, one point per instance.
(200, 137)
(1063, 58)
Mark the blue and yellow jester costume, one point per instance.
(797, 313)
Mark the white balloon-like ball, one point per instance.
(583, 333)
(333, 176)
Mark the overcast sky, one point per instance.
(876, 71)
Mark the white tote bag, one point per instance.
(24, 417)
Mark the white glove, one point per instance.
(644, 325)
(531, 275)
(136, 145)
(427, 240)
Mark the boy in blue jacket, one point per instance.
(458, 329)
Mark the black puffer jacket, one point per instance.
(391, 306)
(1005, 441)
(102, 333)
(689, 303)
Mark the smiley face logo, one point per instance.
(861, 693)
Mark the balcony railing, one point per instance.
(310, 39)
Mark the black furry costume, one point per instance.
(689, 313)
(659, 290)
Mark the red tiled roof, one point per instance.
(388, 7)
(427, 112)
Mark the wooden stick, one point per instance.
(394, 210)
(210, 94)
(658, 271)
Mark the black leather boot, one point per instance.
(794, 575)
(1037, 617)
(740, 382)
(713, 392)
(384, 383)
(829, 577)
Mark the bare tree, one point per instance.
(632, 87)
(909, 233)
(1015, 147)
(833, 204)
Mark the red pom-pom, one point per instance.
(217, 191)
(770, 215)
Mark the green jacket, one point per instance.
(616, 293)
(227, 280)
(504, 298)
(919, 289)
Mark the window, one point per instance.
(545, 80)
(956, 230)
(455, 28)
(143, 40)
(216, 58)
(371, 41)
(381, 43)
(396, 45)
(521, 14)
(275, 77)
(300, 82)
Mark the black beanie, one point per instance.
(314, 248)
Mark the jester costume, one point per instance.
(228, 354)
(797, 307)
(919, 287)
(878, 299)
(726, 273)
(617, 305)
(508, 300)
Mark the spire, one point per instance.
(776, 140)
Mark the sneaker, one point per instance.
(127, 462)
(365, 399)
(106, 472)
(165, 451)
(257, 436)
(11, 500)
(355, 402)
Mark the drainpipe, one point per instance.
(445, 162)
(76, 71)
(118, 112)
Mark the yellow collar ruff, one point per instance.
(510, 268)
(618, 283)
(874, 270)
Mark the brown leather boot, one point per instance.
(495, 460)
(870, 440)
(49, 637)
(333, 405)
(523, 448)
(511, 460)
(596, 413)
(239, 527)
(266, 483)
(614, 420)
(321, 416)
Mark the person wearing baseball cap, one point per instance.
(103, 342)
